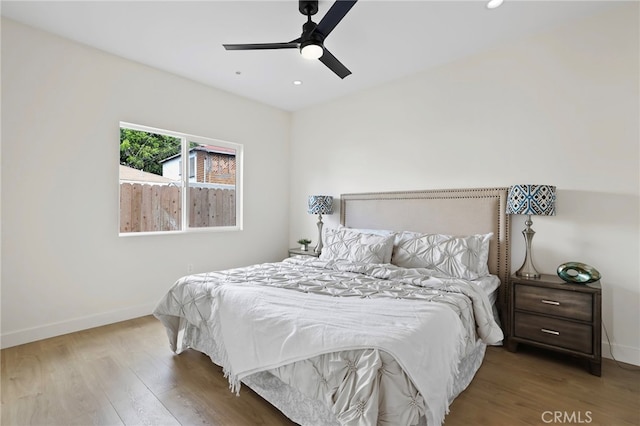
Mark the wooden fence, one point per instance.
(150, 208)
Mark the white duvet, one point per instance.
(275, 316)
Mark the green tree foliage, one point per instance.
(144, 151)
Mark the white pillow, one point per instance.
(355, 246)
(462, 257)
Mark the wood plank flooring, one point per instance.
(125, 374)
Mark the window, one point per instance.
(155, 196)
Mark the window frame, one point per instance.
(184, 181)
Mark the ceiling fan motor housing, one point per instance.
(312, 38)
(309, 35)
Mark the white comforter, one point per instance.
(259, 323)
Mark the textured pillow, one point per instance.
(356, 246)
(462, 257)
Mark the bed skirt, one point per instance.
(298, 407)
(309, 412)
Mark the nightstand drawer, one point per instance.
(556, 332)
(567, 304)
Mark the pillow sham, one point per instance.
(355, 246)
(455, 256)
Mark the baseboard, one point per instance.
(46, 331)
(621, 353)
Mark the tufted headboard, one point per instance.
(448, 211)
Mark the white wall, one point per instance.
(560, 108)
(64, 267)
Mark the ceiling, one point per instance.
(378, 41)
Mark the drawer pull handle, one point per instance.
(550, 302)
(555, 333)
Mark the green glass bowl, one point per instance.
(578, 273)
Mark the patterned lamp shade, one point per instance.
(532, 200)
(320, 204)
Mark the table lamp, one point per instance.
(531, 200)
(320, 204)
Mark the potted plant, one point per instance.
(304, 243)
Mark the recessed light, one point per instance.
(297, 82)
(494, 3)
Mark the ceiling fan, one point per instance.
(311, 42)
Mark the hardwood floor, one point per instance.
(125, 373)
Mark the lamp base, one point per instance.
(526, 273)
(527, 270)
(318, 248)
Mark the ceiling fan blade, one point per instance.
(259, 46)
(334, 64)
(334, 15)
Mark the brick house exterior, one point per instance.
(207, 164)
(213, 166)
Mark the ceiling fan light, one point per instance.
(311, 51)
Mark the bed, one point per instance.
(387, 327)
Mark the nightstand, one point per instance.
(550, 313)
(298, 250)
